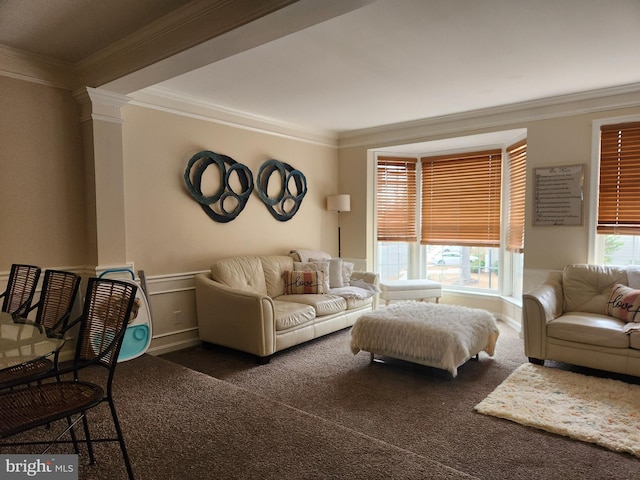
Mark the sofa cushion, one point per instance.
(589, 328)
(358, 302)
(274, 267)
(634, 340)
(297, 281)
(291, 314)
(624, 303)
(586, 287)
(242, 273)
(322, 304)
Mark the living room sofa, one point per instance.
(584, 315)
(244, 303)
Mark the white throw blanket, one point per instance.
(631, 327)
(306, 255)
(358, 290)
(441, 336)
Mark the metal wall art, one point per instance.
(224, 205)
(285, 204)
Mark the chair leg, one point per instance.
(87, 436)
(73, 435)
(123, 447)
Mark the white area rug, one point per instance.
(596, 410)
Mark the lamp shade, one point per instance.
(339, 203)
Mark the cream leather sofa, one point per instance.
(565, 319)
(242, 304)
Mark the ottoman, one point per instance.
(415, 289)
(436, 335)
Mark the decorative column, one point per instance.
(101, 118)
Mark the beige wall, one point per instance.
(42, 204)
(168, 232)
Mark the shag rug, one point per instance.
(596, 410)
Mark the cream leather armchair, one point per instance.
(565, 319)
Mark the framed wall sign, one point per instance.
(558, 195)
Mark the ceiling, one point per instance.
(382, 62)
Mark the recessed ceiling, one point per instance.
(71, 30)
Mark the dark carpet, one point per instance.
(416, 408)
(319, 412)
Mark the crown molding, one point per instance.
(625, 96)
(34, 68)
(168, 101)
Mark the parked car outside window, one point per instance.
(450, 258)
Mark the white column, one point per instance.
(101, 118)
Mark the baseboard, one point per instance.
(172, 347)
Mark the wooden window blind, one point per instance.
(461, 199)
(396, 199)
(619, 191)
(517, 155)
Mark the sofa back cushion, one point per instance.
(243, 273)
(274, 267)
(586, 288)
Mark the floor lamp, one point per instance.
(339, 203)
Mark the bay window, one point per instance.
(440, 217)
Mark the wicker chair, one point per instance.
(21, 287)
(59, 290)
(106, 312)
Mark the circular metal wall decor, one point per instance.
(285, 204)
(214, 205)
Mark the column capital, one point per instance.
(98, 104)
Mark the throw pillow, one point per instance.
(335, 273)
(303, 282)
(624, 303)
(347, 270)
(319, 266)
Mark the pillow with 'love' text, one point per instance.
(624, 303)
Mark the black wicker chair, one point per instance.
(59, 290)
(21, 287)
(106, 312)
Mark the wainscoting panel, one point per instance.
(172, 301)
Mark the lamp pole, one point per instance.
(339, 203)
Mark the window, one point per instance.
(444, 217)
(514, 261)
(396, 215)
(461, 202)
(618, 218)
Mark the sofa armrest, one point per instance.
(372, 279)
(369, 277)
(237, 319)
(539, 306)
